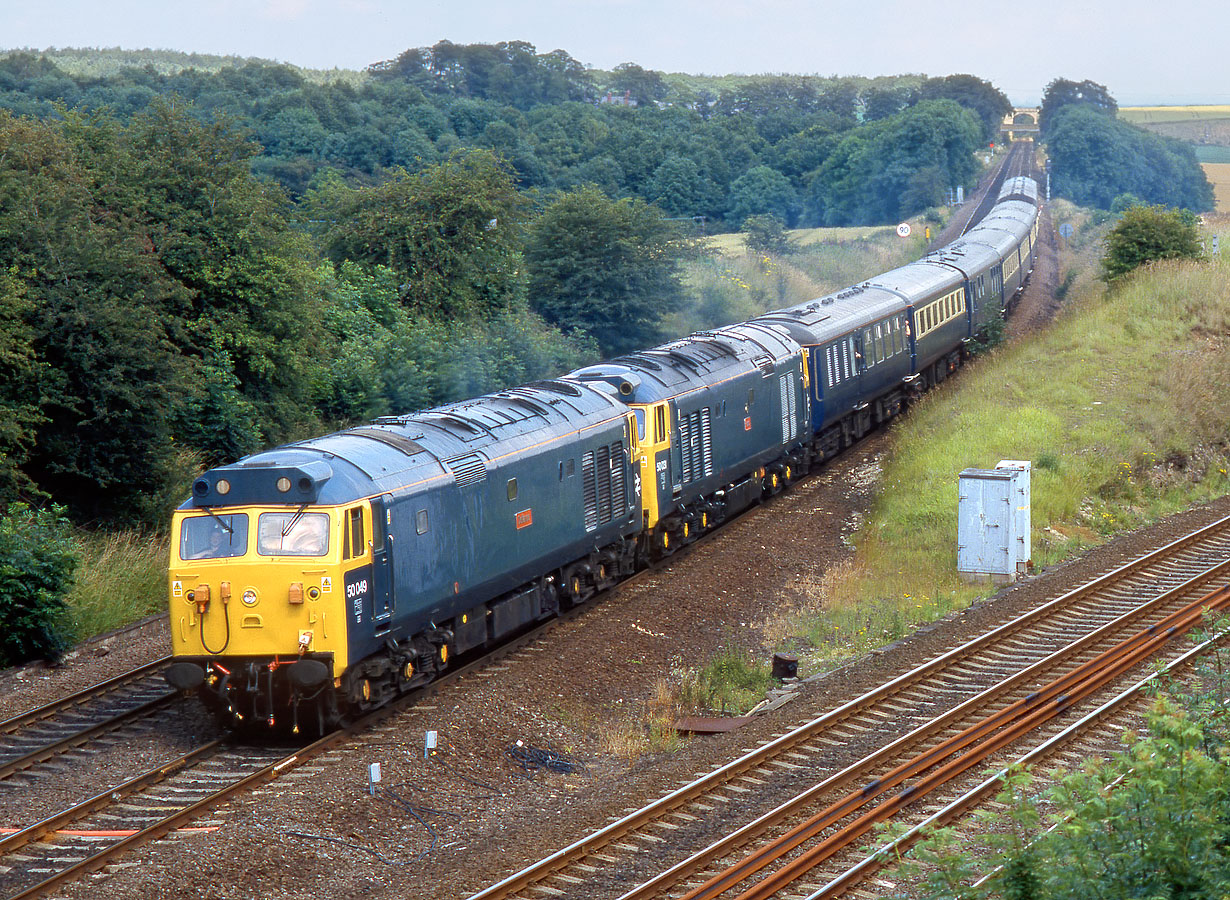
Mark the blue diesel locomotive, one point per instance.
(315, 581)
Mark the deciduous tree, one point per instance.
(609, 268)
(1061, 93)
(452, 232)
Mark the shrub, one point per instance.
(37, 562)
(766, 233)
(991, 336)
(730, 681)
(1148, 233)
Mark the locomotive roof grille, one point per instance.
(635, 359)
(557, 387)
(389, 438)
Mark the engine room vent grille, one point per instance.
(790, 409)
(468, 469)
(695, 446)
(603, 485)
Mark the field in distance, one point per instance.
(1148, 115)
(1219, 176)
(801, 237)
(1207, 128)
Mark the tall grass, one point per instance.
(122, 578)
(731, 682)
(1121, 406)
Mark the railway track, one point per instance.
(807, 794)
(172, 795)
(1019, 161)
(41, 734)
(1091, 735)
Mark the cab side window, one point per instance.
(353, 544)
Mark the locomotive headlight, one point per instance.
(222, 486)
(283, 484)
(249, 597)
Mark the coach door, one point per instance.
(382, 560)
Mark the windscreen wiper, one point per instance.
(291, 524)
(227, 528)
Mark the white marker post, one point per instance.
(373, 778)
(429, 744)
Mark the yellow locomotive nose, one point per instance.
(247, 547)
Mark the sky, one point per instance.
(1144, 51)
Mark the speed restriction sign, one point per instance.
(904, 229)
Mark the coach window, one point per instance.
(512, 489)
(420, 523)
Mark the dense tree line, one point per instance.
(1097, 157)
(694, 147)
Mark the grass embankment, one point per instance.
(1120, 405)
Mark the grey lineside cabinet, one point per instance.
(993, 522)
